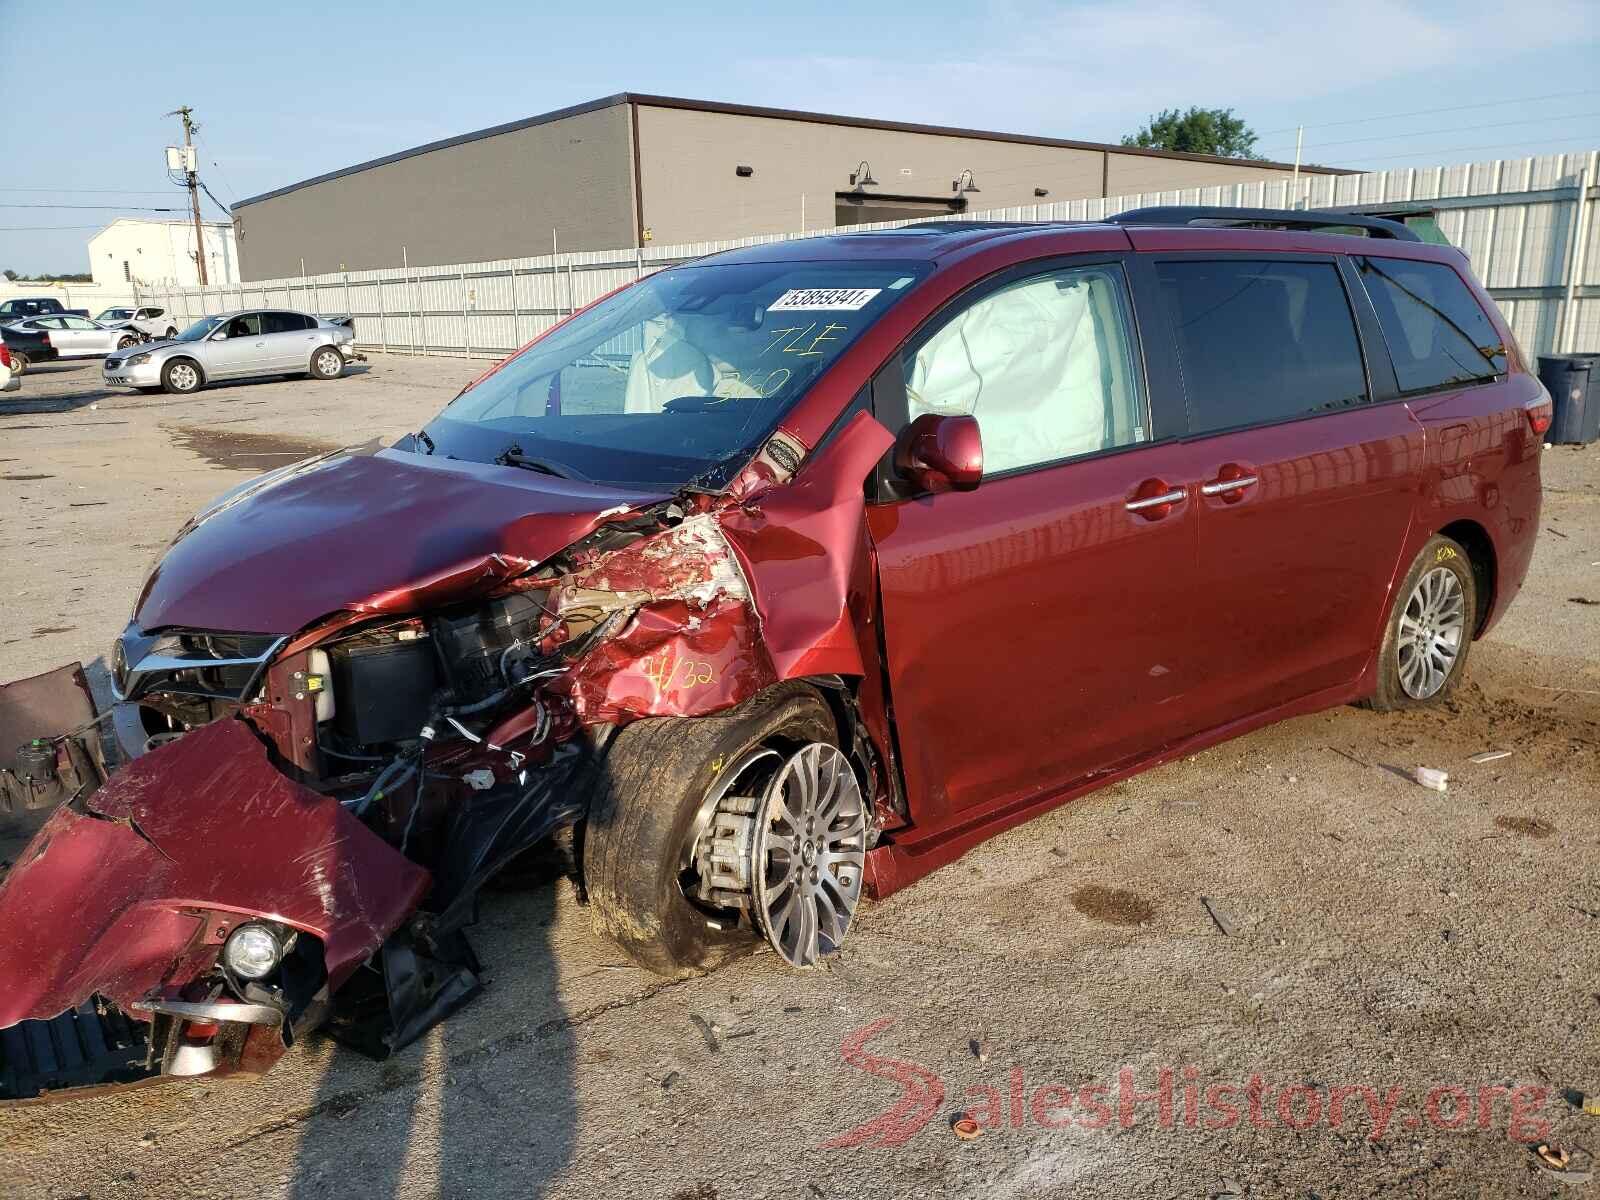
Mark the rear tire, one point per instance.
(19, 364)
(650, 788)
(181, 377)
(1429, 630)
(327, 363)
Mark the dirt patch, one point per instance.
(1527, 826)
(252, 452)
(1114, 906)
(43, 629)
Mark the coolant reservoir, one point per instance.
(323, 670)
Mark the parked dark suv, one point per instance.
(763, 583)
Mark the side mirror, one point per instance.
(220, 335)
(941, 453)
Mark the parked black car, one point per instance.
(27, 349)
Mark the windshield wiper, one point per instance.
(512, 456)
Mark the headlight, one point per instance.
(138, 360)
(252, 951)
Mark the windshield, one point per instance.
(116, 314)
(679, 378)
(199, 329)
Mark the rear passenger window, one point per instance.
(1262, 341)
(1045, 364)
(1437, 332)
(283, 322)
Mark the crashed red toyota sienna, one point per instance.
(765, 583)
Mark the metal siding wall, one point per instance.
(1514, 219)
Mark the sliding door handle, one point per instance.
(1221, 487)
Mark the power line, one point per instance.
(1424, 112)
(88, 191)
(100, 207)
(1385, 137)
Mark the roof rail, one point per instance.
(1264, 218)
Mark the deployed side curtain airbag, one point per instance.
(1026, 362)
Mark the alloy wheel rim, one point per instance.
(184, 377)
(1432, 626)
(327, 363)
(810, 854)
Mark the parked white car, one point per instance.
(79, 337)
(150, 321)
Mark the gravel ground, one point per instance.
(1383, 937)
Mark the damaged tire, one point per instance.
(650, 797)
(1429, 630)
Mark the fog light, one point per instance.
(252, 951)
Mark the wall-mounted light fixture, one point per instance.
(964, 183)
(744, 171)
(1041, 192)
(862, 176)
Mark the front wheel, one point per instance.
(707, 832)
(1429, 631)
(172, 332)
(124, 343)
(327, 363)
(180, 376)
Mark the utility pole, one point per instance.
(192, 178)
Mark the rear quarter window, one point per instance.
(1262, 341)
(1437, 333)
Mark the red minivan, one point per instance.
(766, 582)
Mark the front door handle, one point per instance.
(1154, 498)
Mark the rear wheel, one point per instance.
(1429, 631)
(706, 832)
(327, 363)
(180, 376)
(19, 363)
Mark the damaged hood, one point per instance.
(117, 896)
(388, 531)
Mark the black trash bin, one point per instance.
(1573, 381)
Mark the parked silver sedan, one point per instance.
(78, 337)
(236, 346)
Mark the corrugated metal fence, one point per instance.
(1527, 224)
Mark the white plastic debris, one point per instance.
(1433, 780)
(480, 780)
(1489, 756)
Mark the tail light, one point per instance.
(1540, 412)
(46, 338)
(5, 356)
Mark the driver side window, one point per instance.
(1046, 364)
(248, 325)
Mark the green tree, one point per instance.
(1198, 131)
(10, 274)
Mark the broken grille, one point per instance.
(90, 1045)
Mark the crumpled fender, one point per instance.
(800, 547)
(126, 896)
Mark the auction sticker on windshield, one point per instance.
(814, 299)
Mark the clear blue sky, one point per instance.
(285, 90)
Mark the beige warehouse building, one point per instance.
(631, 169)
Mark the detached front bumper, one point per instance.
(351, 354)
